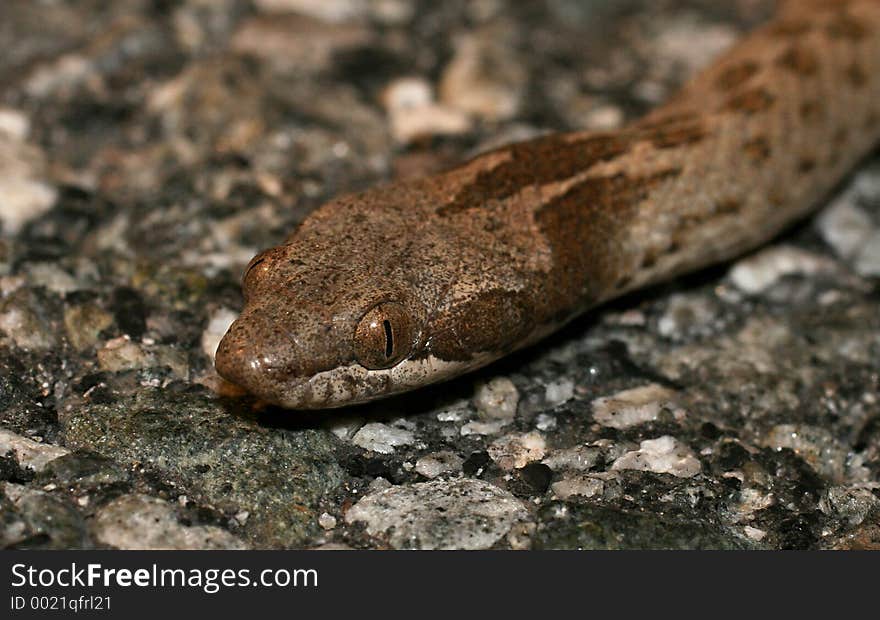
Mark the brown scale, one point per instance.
(758, 149)
(800, 60)
(810, 111)
(736, 75)
(751, 101)
(857, 76)
(537, 162)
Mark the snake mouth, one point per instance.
(353, 384)
(242, 361)
(268, 382)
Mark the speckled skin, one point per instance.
(456, 270)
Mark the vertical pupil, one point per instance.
(389, 338)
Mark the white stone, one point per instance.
(52, 277)
(378, 484)
(333, 11)
(633, 407)
(23, 200)
(122, 354)
(29, 453)
(346, 426)
(758, 272)
(327, 521)
(14, 123)
(604, 118)
(686, 42)
(578, 458)
(578, 485)
(24, 193)
(559, 392)
(413, 113)
(844, 226)
(219, 322)
(392, 11)
(410, 124)
(497, 399)
(516, 451)
(754, 533)
(483, 78)
(478, 427)
(407, 93)
(664, 455)
(751, 500)
(64, 73)
(25, 329)
(382, 438)
(545, 422)
(443, 462)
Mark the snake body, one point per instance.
(421, 280)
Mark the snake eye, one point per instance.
(383, 337)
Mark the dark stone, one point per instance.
(475, 462)
(537, 477)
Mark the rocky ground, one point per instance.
(149, 148)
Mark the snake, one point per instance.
(421, 280)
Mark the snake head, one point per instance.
(375, 295)
(314, 334)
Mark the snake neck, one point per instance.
(745, 148)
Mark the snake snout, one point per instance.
(248, 358)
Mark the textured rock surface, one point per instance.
(141, 522)
(148, 150)
(455, 514)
